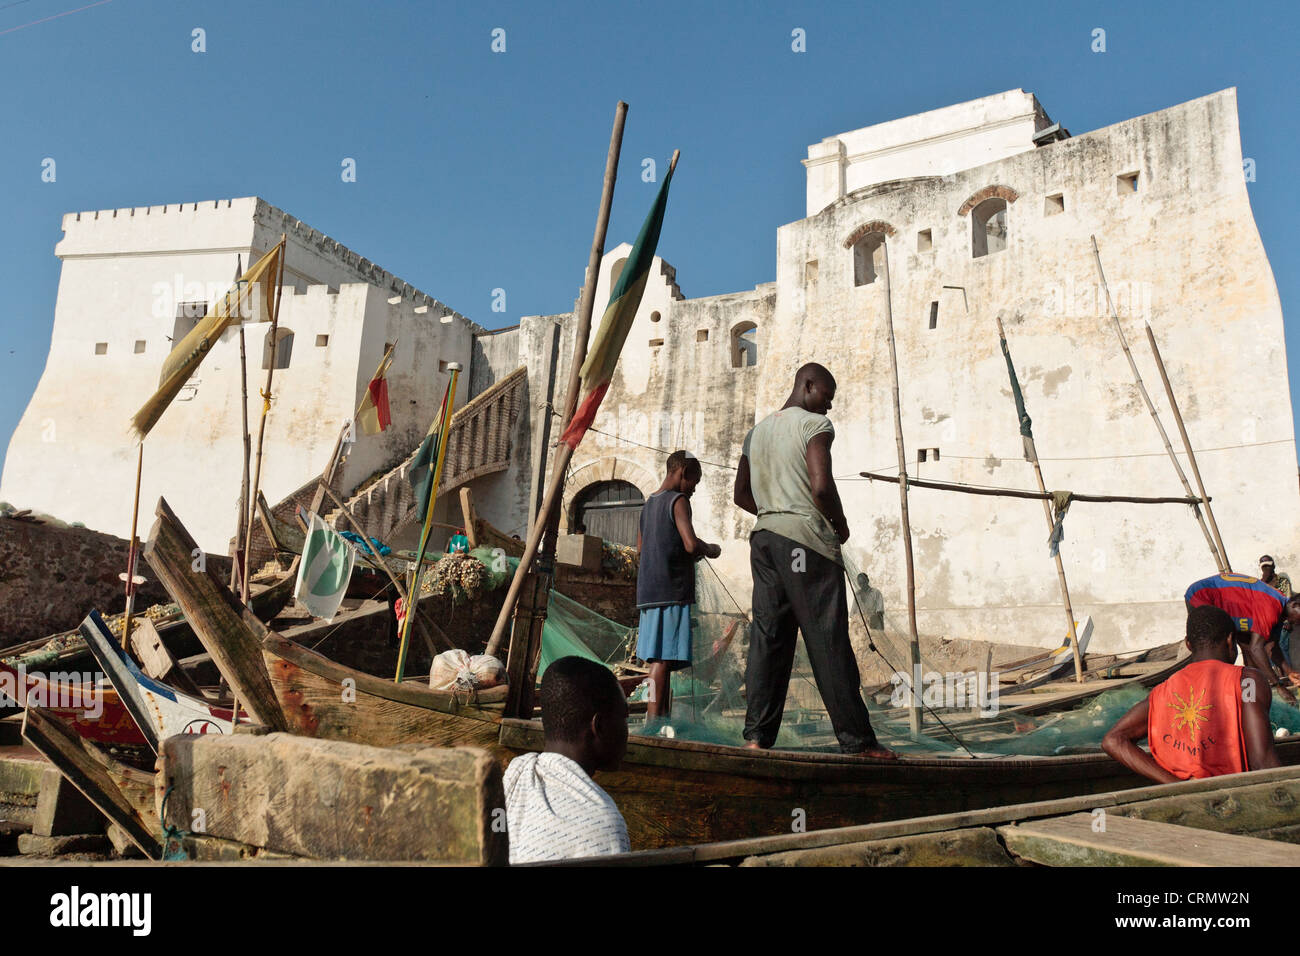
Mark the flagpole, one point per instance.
(413, 590)
(132, 551)
(266, 407)
(543, 522)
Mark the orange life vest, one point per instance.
(1194, 721)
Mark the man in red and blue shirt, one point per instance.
(1256, 609)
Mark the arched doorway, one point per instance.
(610, 509)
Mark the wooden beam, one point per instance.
(467, 512)
(1028, 495)
(94, 776)
(156, 661)
(1085, 839)
(228, 630)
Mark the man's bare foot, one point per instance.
(753, 745)
(877, 753)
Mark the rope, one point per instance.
(872, 644)
(171, 834)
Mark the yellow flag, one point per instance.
(190, 350)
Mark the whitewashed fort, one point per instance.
(986, 209)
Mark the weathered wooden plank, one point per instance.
(156, 661)
(122, 794)
(1250, 810)
(329, 799)
(1082, 839)
(974, 847)
(229, 631)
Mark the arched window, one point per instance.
(610, 510)
(615, 272)
(744, 345)
(868, 258)
(988, 227)
(280, 349)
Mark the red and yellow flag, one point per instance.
(374, 416)
(624, 300)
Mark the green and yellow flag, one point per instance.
(190, 350)
(624, 300)
(425, 465)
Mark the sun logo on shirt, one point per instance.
(1189, 714)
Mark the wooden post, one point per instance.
(1187, 444)
(547, 520)
(1031, 455)
(542, 432)
(1220, 559)
(467, 515)
(241, 541)
(914, 642)
(266, 407)
(132, 552)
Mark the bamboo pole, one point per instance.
(1220, 559)
(1028, 495)
(550, 499)
(914, 640)
(414, 588)
(1031, 455)
(1187, 444)
(241, 543)
(266, 407)
(132, 552)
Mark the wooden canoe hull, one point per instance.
(320, 698)
(675, 793)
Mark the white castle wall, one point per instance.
(122, 274)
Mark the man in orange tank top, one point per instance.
(1210, 718)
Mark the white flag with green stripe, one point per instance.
(324, 571)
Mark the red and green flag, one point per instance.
(374, 415)
(624, 300)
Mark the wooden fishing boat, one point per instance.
(671, 792)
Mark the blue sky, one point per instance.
(478, 170)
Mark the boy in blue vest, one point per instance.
(665, 584)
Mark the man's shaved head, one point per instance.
(812, 373)
(814, 388)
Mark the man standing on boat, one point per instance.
(1209, 719)
(784, 478)
(1257, 610)
(665, 583)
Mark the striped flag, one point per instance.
(425, 464)
(190, 350)
(374, 416)
(324, 571)
(624, 300)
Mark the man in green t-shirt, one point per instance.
(784, 478)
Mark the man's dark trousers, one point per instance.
(788, 600)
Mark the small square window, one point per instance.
(1127, 184)
(926, 454)
(442, 365)
(322, 341)
(655, 343)
(702, 335)
(1054, 204)
(810, 271)
(924, 241)
(139, 346)
(101, 348)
